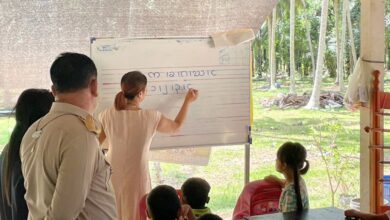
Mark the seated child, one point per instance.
(366, 216)
(163, 204)
(209, 216)
(196, 194)
(291, 162)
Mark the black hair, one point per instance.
(72, 72)
(294, 156)
(132, 83)
(32, 104)
(209, 216)
(163, 203)
(196, 192)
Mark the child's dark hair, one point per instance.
(209, 216)
(196, 192)
(163, 203)
(294, 156)
(132, 83)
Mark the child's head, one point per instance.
(196, 192)
(209, 216)
(163, 203)
(291, 160)
(292, 156)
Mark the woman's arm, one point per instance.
(167, 125)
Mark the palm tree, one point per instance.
(340, 65)
(269, 27)
(273, 57)
(350, 33)
(307, 26)
(292, 51)
(337, 27)
(314, 102)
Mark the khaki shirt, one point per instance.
(66, 175)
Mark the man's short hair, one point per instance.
(163, 203)
(196, 192)
(72, 72)
(209, 216)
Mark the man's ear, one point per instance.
(208, 199)
(93, 85)
(54, 90)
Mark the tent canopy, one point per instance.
(35, 32)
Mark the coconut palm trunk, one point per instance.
(337, 27)
(350, 33)
(340, 65)
(308, 36)
(292, 51)
(269, 27)
(314, 102)
(273, 54)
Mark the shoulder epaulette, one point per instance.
(91, 125)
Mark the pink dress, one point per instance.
(129, 134)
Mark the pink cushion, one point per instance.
(257, 198)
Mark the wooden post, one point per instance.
(372, 50)
(376, 154)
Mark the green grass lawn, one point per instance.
(272, 127)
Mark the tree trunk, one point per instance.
(256, 58)
(273, 58)
(269, 24)
(308, 36)
(336, 12)
(314, 102)
(292, 50)
(351, 37)
(340, 65)
(313, 60)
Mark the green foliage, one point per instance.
(6, 126)
(308, 13)
(338, 163)
(331, 63)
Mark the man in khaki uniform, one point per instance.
(66, 175)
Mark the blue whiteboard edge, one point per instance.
(92, 39)
(249, 134)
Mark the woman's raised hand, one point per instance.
(192, 95)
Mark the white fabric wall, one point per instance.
(34, 32)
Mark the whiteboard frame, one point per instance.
(248, 143)
(124, 39)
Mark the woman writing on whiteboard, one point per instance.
(129, 131)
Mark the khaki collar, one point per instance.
(65, 108)
(61, 107)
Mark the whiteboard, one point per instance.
(220, 116)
